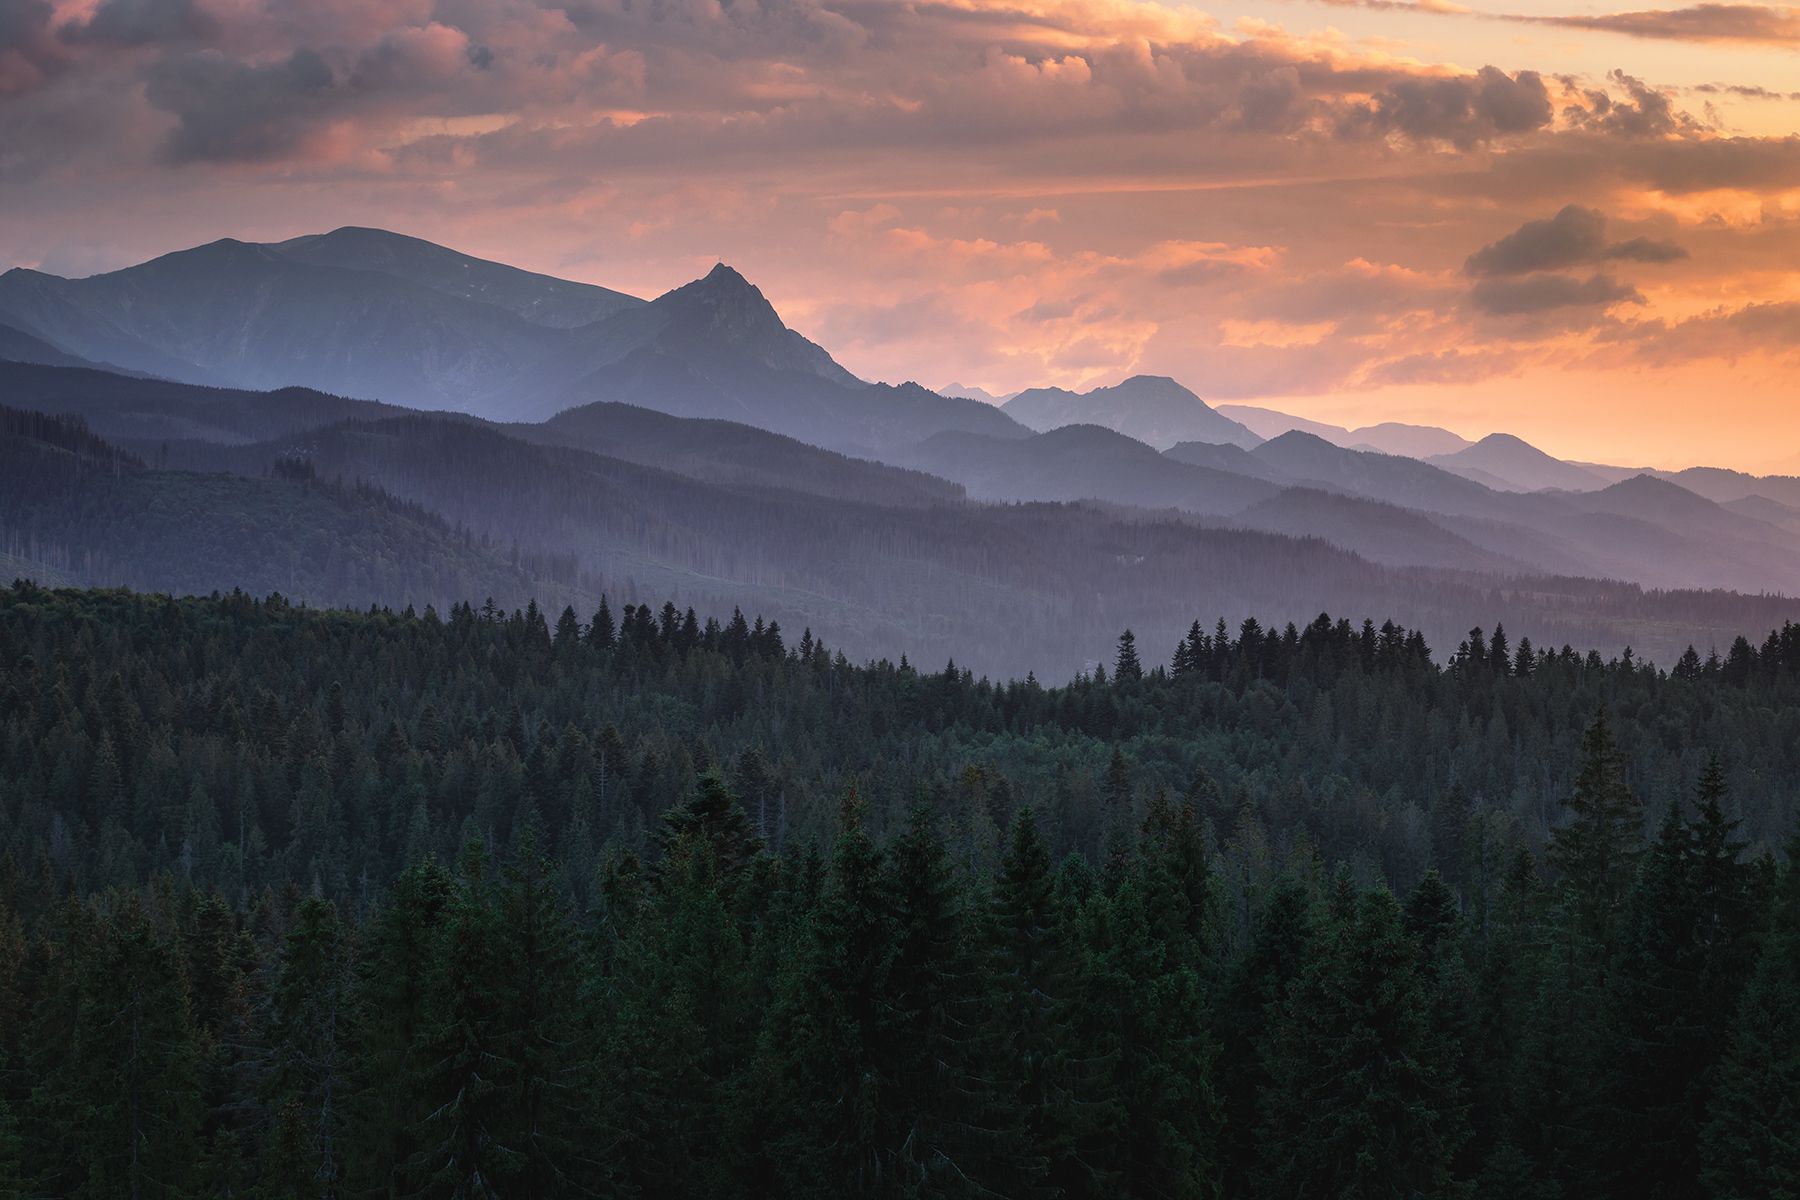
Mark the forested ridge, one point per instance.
(309, 902)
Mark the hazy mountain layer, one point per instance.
(1153, 409)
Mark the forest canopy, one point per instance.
(327, 903)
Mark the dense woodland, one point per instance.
(298, 902)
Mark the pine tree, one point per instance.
(462, 1060)
(1360, 1104)
(1748, 1147)
(1596, 850)
(832, 1030)
(395, 986)
(1033, 986)
(1247, 1014)
(546, 1089)
(1126, 667)
(309, 1047)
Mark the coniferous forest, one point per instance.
(646, 903)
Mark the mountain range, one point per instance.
(1152, 409)
(362, 417)
(375, 315)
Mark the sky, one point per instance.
(1573, 220)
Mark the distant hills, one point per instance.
(361, 416)
(1389, 437)
(1152, 409)
(1502, 460)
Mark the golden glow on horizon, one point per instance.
(1275, 201)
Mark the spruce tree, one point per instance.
(1596, 849)
(1361, 1103)
(1748, 1148)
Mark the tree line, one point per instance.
(334, 904)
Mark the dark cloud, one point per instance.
(1275, 102)
(1645, 112)
(1544, 293)
(1200, 272)
(23, 23)
(1745, 90)
(1644, 250)
(229, 111)
(1574, 236)
(143, 22)
(29, 52)
(1769, 327)
(1462, 110)
(1697, 23)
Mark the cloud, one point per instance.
(143, 22)
(1752, 23)
(1575, 235)
(1013, 191)
(1462, 110)
(228, 111)
(1546, 293)
(1646, 112)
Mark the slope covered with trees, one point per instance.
(299, 902)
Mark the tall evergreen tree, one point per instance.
(1361, 1103)
(1596, 849)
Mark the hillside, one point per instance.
(1152, 409)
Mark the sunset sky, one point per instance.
(1575, 222)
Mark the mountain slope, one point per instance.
(1152, 409)
(1226, 457)
(1414, 441)
(1388, 437)
(540, 299)
(366, 313)
(144, 412)
(724, 452)
(1390, 478)
(74, 509)
(1522, 466)
(716, 349)
(1383, 533)
(248, 315)
(1083, 462)
(17, 346)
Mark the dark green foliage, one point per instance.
(1363, 1095)
(233, 962)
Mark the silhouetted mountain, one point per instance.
(724, 452)
(1670, 506)
(1391, 478)
(144, 412)
(366, 313)
(1383, 533)
(726, 311)
(1269, 424)
(373, 508)
(970, 392)
(539, 299)
(1234, 459)
(17, 346)
(1519, 465)
(1153, 409)
(248, 315)
(1414, 441)
(1723, 486)
(75, 510)
(1389, 437)
(1083, 462)
(1784, 516)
